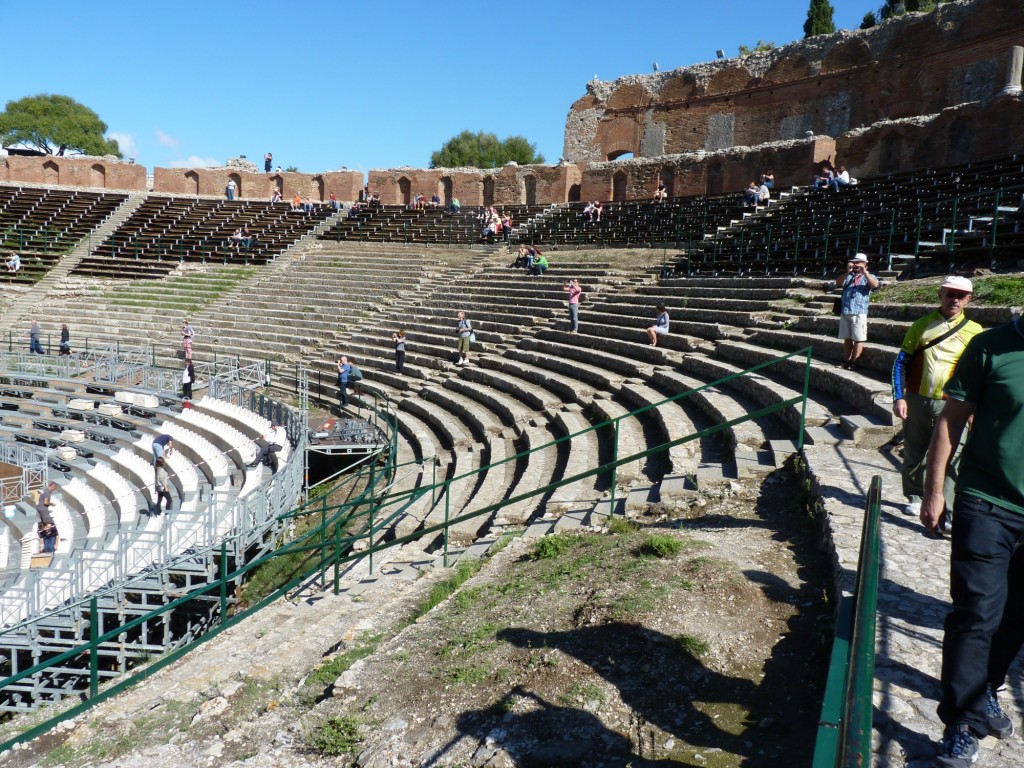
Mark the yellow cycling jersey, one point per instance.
(928, 371)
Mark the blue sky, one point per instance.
(363, 84)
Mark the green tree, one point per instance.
(819, 19)
(54, 125)
(746, 50)
(869, 20)
(484, 150)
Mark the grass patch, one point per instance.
(622, 525)
(335, 736)
(581, 694)
(643, 599)
(61, 754)
(550, 547)
(692, 645)
(660, 545)
(441, 591)
(331, 670)
(472, 674)
(470, 643)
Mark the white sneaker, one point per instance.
(913, 509)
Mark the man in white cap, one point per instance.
(857, 284)
(927, 357)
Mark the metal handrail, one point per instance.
(844, 729)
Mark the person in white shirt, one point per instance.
(841, 179)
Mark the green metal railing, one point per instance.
(844, 730)
(365, 517)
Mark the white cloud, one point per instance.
(166, 139)
(126, 142)
(194, 161)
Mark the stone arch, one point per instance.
(530, 189)
(890, 153)
(845, 55)
(447, 190)
(193, 180)
(97, 176)
(716, 179)
(667, 176)
(574, 193)
(488, 190)
(678, 89)
(787, 69)
(620, 152)
(629, 95)
(729, 80)
(277, 182)
(961, 132)
(51, 172)
(404, 191)
(620, 184)
(320, 189)
(238, 184)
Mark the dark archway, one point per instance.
(319, 181)
(51, 172)
(97, 176)
(404, 191)
(277, 183)
(574, 193)
(620, 183)
(961, 133)
(193, 180)
(716, 179)
(890, 153)
(530, 189)
(238, 184)
(668, 178)
(447, 190)
(489, 190)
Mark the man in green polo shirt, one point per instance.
(985, 628)
(926, 360)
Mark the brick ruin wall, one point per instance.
(248, 184)
(97, 172)
(931, 79)
(511, 185)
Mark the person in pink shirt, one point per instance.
(572, 287)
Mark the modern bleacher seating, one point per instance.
(166, 231)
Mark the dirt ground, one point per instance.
(693, 634)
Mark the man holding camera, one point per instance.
(857, 284)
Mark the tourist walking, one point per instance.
(188, 378)
(926, 360)
(984, 629)
(464, 330)
(35, 346)
(187, 334)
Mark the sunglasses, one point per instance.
(956, 294)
